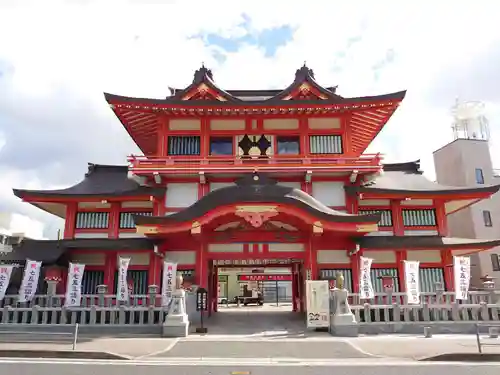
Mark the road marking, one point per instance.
(223, 362)
(362, 351)
(168, 348)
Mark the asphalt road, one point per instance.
(133, 369)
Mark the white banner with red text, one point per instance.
(461, 275)
(122, 290)
(5, 274)
(29, 284)
(412, 282)
(168, 282)
(365, 279)
(74, 285)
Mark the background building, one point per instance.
(466, 161)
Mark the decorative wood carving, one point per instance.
(146, 229)
(318, 227)
(195, 227)
(367, 228)
(256, 215)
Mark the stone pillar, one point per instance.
(152, 292)
(342, 323)
(102, 290)
(51, 292)
(176, 322)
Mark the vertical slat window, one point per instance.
(419, 218)
(386, 218)
(183, 145)
(139, 280)
(325, 144)
(92, 220)
(127, 221)
(331, 274)
(90, 281)
(429, 278)
(378, 282)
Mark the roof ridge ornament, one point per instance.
(202, 74)
(303, 73)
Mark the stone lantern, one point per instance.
(52, 276)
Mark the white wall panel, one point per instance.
(181, 194)
(330, 193)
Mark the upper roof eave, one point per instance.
(113, 99)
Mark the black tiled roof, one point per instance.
(258, 188)
(51, 251)
(423, 242)
(100, 180)
(408, 178)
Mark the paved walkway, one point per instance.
(256, 320)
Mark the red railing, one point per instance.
(177, 164)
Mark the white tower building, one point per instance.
(466, 161)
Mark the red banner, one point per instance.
(265, 277)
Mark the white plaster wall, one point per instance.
(181, 194)
(330, 193)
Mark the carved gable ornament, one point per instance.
(256, 215)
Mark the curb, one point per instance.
(463, 357)
(60, 354)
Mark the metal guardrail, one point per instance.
(492, 334)
(73, 335)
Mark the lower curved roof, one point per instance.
(407, 178)
(431, 242)
(257, 188)
(100, 180)
(51, 251)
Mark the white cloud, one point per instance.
(63, 58)
(12, 224)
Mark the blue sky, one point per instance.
(53, 118)
(269, 39)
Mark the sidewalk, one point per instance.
(314, 346)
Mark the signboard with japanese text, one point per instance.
(265, 277)
(201, 299)
(318, 303)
